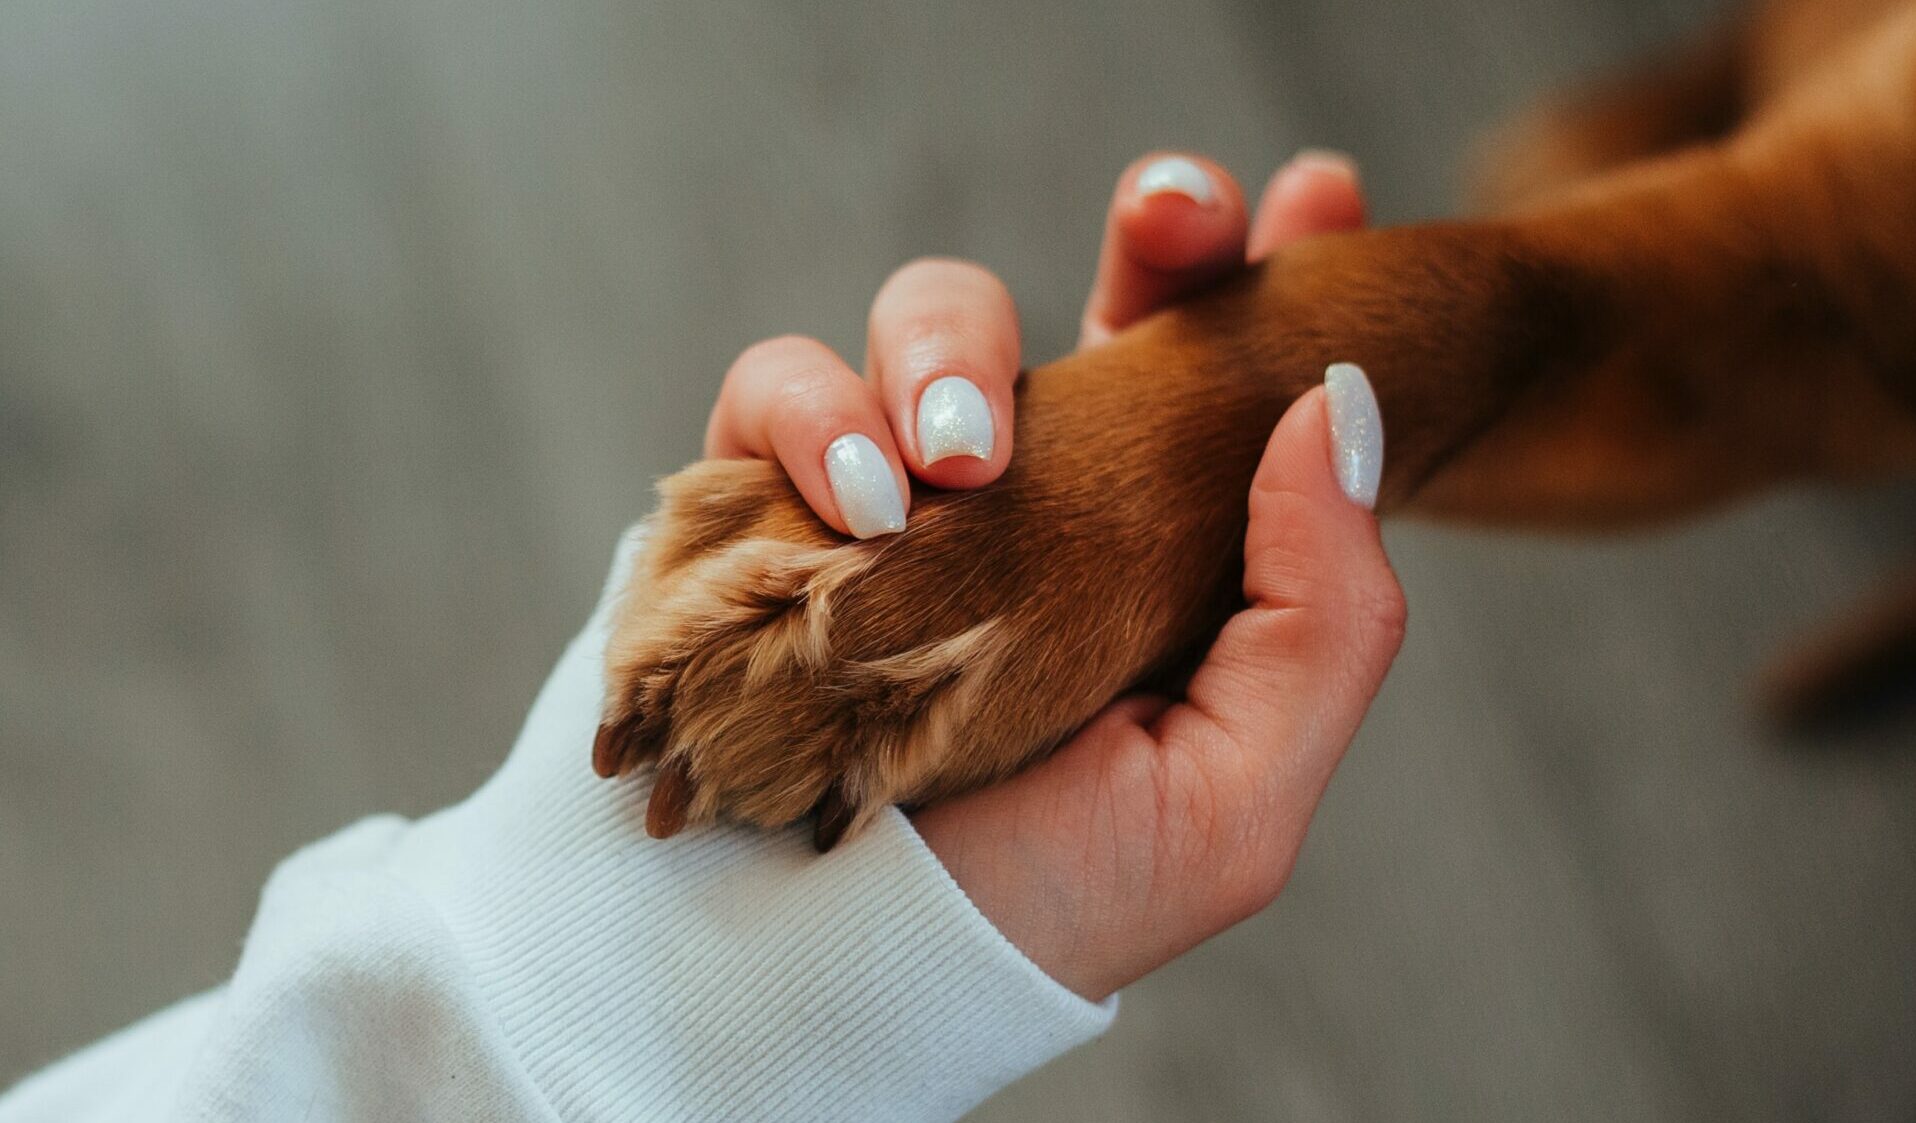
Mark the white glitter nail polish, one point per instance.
(862, 483)
(953, 420)
(1176, 176)
(1357, 432)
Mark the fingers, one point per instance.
(793, 400)
(1288, 680)
(1178, 222)
(1316, 193)
(1175, 223)
(943, 341)
(942, 346)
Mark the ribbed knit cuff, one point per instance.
(726, 974)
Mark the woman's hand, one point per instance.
(1160, 824)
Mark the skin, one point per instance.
(1162, 823)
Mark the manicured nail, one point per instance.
(1357, 432)
(1325, 159)
(953, 420)
(862, 482)
(1174, 175)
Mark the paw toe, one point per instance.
(672, 794)
(624, 743)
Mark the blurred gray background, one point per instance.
(338, 341)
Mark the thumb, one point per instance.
(1289, 678)
(1143, 837)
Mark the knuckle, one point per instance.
(1374, 600)
(945, 271)
(951, 339)
(1377, 623)
(942, 326)
(945, 281)
(804, 389)
(1388, 614)
(937, 314)
(788, 371)
(780, 349)
(905, 280)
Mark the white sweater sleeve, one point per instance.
(530, 954)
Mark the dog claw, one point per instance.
(672, 795)
(615, 748)
(607, 749)
(835, 815)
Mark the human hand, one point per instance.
(1160, 824)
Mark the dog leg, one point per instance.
(1693, 96)
(1676, 335)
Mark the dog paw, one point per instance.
(773, 669)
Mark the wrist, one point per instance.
(1016, 893)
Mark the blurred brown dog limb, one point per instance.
(1689, 285)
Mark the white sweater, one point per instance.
(530, 954)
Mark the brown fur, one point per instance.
(1694, 284)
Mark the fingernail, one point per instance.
(1175, 175)
(953, 420)
(1357, 432)
(1325, 159)
(862, 483)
